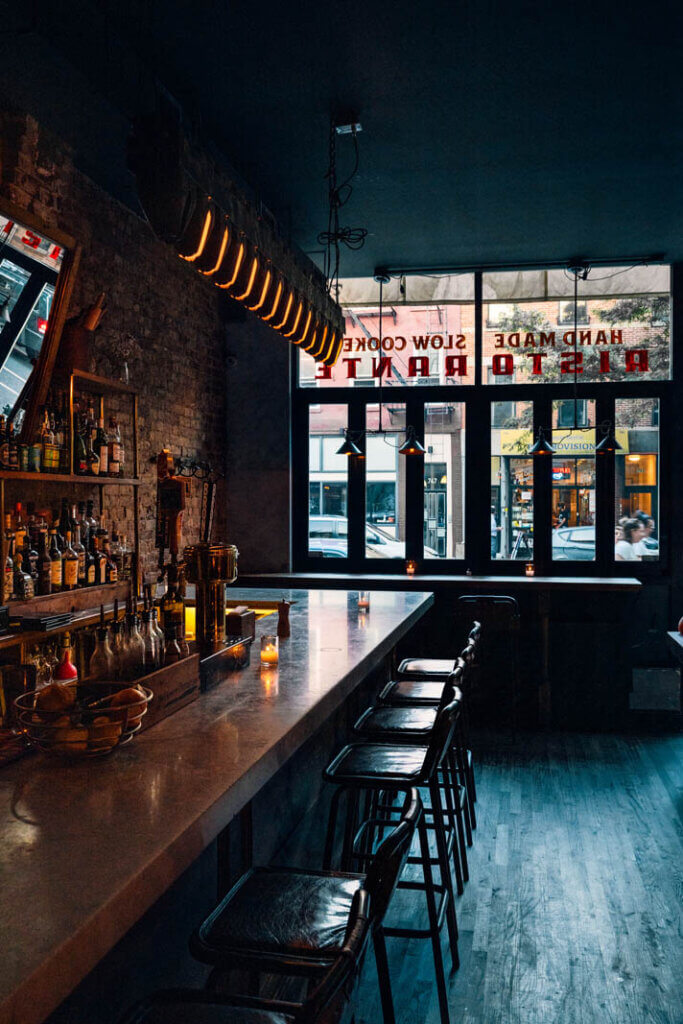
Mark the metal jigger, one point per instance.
(210, 567)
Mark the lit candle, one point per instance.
(529, 569)
(411, 567)
(364, 601)
(269, 650)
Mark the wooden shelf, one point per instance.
(71, 478)
(85, 603)
(91, 382)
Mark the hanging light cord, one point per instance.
(338, 196)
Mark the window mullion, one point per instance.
(605, 498)
(543, 507)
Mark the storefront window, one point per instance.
(618, 329)
(512, 481)
(328, 525)
(444, 480)
(637, 480)
(573, 471)
(427, 335)
(384, 482)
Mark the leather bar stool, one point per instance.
(294, 922)
(370, 774)
(387, 724)
(327, 1001)
(433, 668)
(428, 693)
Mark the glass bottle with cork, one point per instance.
(101, 664)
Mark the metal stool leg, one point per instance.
(434, 926)
(383, 977)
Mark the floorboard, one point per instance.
(574, 909)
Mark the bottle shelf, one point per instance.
(71, 478)
(84, 603)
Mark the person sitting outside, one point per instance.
(625, 550)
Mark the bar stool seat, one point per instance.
(412, 692)
(278, 911)
(384, 722)
(394, 763)
(430, 668)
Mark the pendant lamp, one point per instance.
(540, 445)
(411, 445)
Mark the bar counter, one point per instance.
(87, 847)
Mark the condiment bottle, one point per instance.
(66, 671)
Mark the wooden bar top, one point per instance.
(86, 847)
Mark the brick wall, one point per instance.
(167, 322)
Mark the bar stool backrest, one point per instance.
(455, 679)
(442, 736)
(389, 860)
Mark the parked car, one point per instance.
(325, 534)
(577, 543)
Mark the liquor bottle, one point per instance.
(150, 642)
(112, 567)
(173, 652)
(80, 555)
(127, 559)
(23, 584)
(135, 648)
(44, 566)
(56, 562)
(118, 642)
(116, 552)
(80, 449)
(8, 576)
(19, 526)
(13, 447)
(92, 458)
(47, 440)
(64, 525)
(90, 519)
(101, 664)
(31, 561)
(66, 671)
(159, 634)
(69, 565)
(102, 447)
(82, 523)
(114, 448)
(91, 564)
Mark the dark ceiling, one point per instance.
(492, 132)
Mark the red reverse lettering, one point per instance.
(616, 338)
(460, 341)
(348, 344)
(546, 339)
(421, 341)
(418, 366)
(502, 366)
(637, 360)
(351, 364)
(537, 362)
(381, 367)
(499, 341)
(571, 361)
(324, 372)
(456, 366)
(604, 361)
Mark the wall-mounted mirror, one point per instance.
(37, 270)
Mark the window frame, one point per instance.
(477, 398)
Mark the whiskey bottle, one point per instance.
(102, 447)
(44, 566)
(80, 555)
(80, 449)
(69, 565)
(91, 564)
(56, 562)
(8, 575)
(114, 448)
(23, 584)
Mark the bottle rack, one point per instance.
(103, 594)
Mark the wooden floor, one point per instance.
(574, 909)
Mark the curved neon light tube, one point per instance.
(250, 285)
(202, 240)
(328, 348)
(276, 303)
(264, 292)
(238, 264)
(290, 300)
(321, 346)
(296, 320)
(301, 339)
(221, 254)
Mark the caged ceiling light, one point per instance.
(232, 242)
